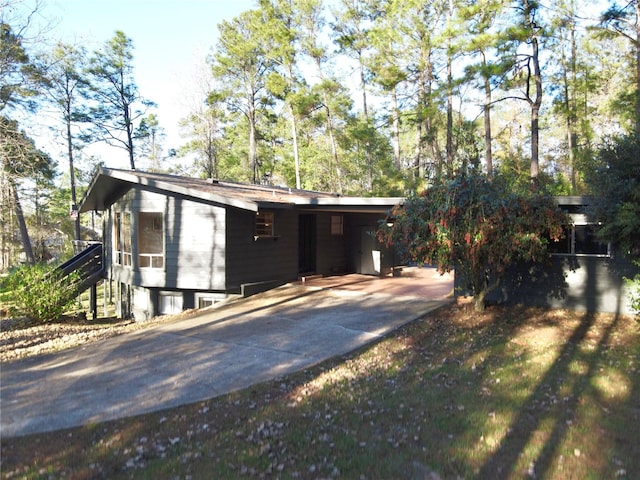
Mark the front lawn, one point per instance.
(510, 393)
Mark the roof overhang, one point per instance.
(108, 185)
(351, 204)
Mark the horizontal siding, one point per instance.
(264, 259)
(195, 245)
(575, 282)
(194, 242)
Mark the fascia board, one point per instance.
(164, 187)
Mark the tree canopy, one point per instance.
(614, 178)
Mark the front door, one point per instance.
(306, 244)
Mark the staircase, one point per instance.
(88, 264)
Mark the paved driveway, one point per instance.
(218, 351)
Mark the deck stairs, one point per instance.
(89, 265)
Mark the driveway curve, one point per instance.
(218, 351)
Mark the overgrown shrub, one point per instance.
(39, 292)
(477, 226)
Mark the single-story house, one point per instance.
(171, 243)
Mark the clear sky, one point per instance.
(169, 38)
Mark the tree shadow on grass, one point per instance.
(562, 392)
(573, 368)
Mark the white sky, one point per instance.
(170, 40)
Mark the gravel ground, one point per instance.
(20, 338)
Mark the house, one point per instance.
(583, 274)
(171, 243)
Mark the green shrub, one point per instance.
(39, 292)
(634, 284)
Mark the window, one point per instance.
(207, 299)
(117, 238)
(337, 225)
(122, 238)
(126, 239)
(150, 240)
(581, 239)
(170, 303)
(264, 224)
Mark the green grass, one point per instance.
(510, 393)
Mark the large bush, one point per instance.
(39, 292)
(477, 226)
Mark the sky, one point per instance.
(170, 39)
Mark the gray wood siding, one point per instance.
(586, 283)
(264, 259)
(194, 243)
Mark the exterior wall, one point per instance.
(194, 243)
(583, 274)
(581, 283)
(194, 252)
(268, 259)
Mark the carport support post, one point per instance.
(104, 285)
(93, 301)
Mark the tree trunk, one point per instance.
(488, 151)
(396, 129)
(637, 49)
(479, 301)
(449, 145)
(253, 148)
(535, 112)
(363, 85)
(334, 147)
(296, 156)
(72, 177)
(330, 128)
(24, 233)
(129, 129)
(537, 101)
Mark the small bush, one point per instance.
(634, 283)
(39, 292)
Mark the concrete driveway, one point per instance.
(221, 350)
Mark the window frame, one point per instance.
(122, 242)
(264, 226)
(151, 260)
(337, 225)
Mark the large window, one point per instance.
(264, 224)
(150, 240)
(122, 238)
(581, 239)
